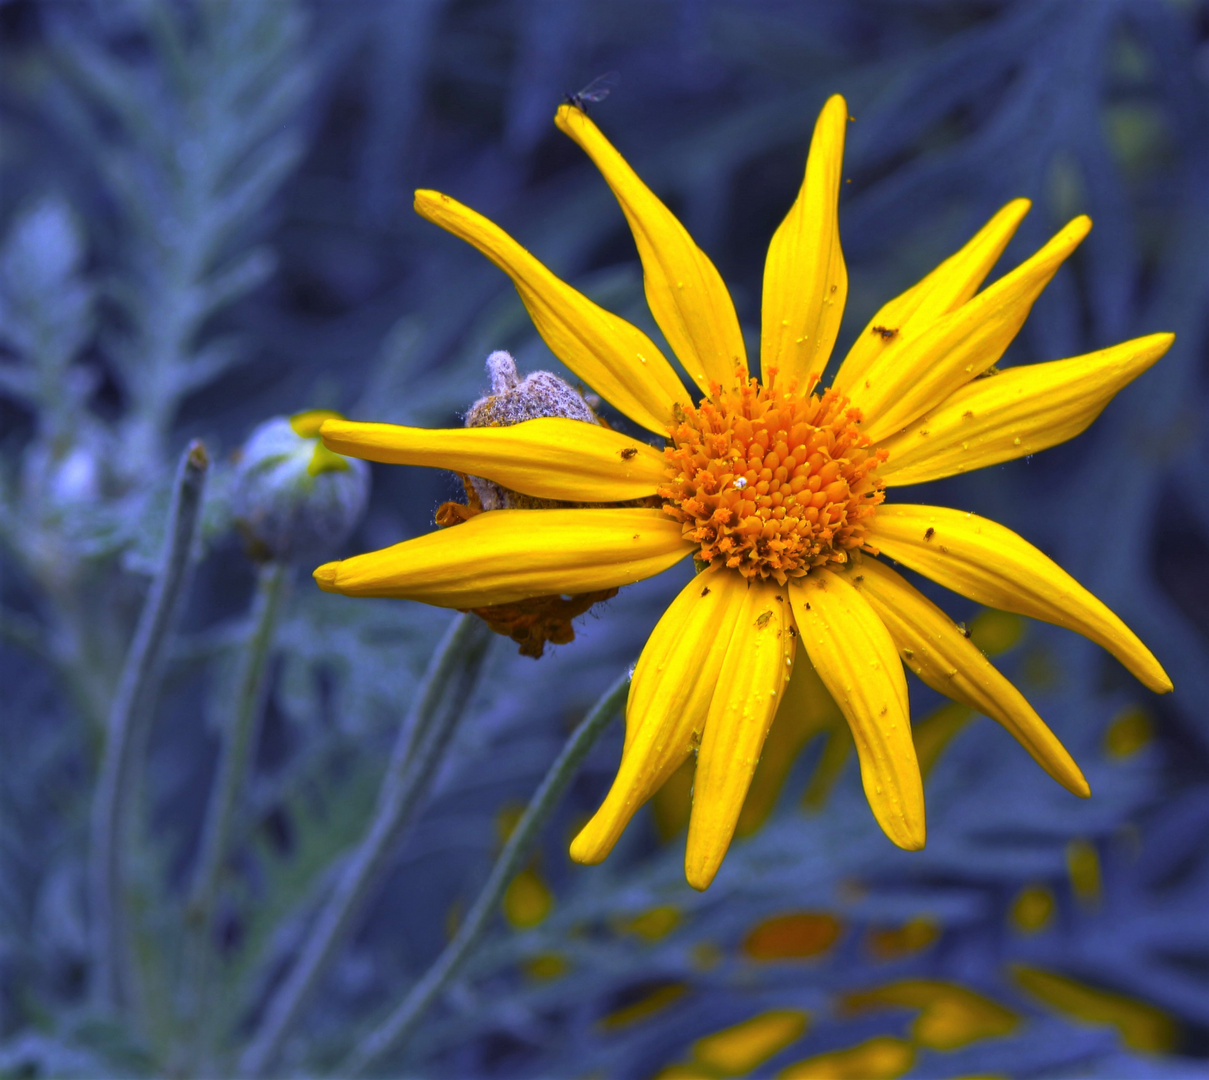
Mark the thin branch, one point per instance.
(441, 699)
(115, 975)
(396, 1028)
(238, 743)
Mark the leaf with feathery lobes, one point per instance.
(905, 382)
(1020, 411)
(550, 457)
(992, 565)
(613, 356)
(857, 660)
(669, 699)
(805, 279)
(946, 288)
(943, 657)
(685, 292)
(748, 690)
(503, 556)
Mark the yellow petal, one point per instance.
(992, 565)
(610, 354)
(686, 293)
(739, 1050)
(507, 555)
(945, 289)
(1019, 411)
(1139, 1024)
(551, 457)
(306, 425)
(833, 760)
(939, 653)
(906, 382)
(1083, 866)
(855, 657)
(757, 665)
(881, 1058)
(806, 710)
(951, 1016)
(805, 279)
(670, 693)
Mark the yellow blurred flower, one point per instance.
(775, 488)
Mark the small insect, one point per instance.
(886, 332)
(763, 619)
(792, 632)
(965, 630)
(596, 91)
(858, 579)
(628, 453)
(929, 533)
(705, 591)
(779, 598)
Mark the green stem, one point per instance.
(238, 743)
(115, 979)
(240, 738)
(440, 701)
(399, 1025)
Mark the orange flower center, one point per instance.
(770, 482)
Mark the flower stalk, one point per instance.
(440, 701)
(395, 1029)
(239, 740)
(115, 978)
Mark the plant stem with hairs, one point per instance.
(238, 744)
(115, 977)
(440, 701)
(395, 1029)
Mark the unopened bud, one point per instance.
(292, 497)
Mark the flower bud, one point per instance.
(292, 497)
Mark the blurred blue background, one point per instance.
(205, 222)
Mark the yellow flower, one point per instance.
(775, 488)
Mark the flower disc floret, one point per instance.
(769, 482)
